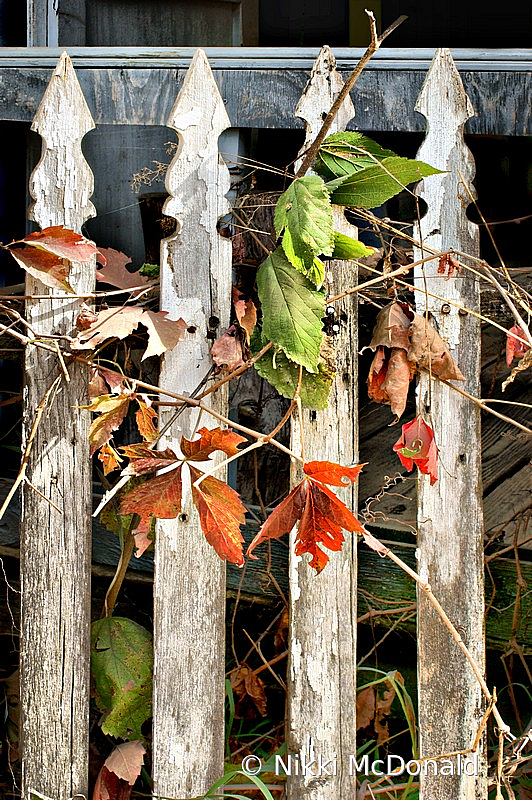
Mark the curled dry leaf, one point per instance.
(245, 311)
(249, 689)
(117, 323)
(365, 707)
(49, 254)
(111, 410)
(119, 772)
(389, 378)
(514, 347)
(114, 271)
(428, 349)
(227, 350)
(525, 362)
(417, 446)
(447, 265)
(320, 514)
(392, 327)
(85, 318)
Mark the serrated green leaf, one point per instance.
(292, 310)
(374, 185)
(283, 374)
(315, 272)
(348, 152)
(121, 672)
(304, 212)
(347, 248)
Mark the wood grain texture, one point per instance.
(450, 524)
(322, 636)
(259, 95)
(189, 592)
(56, 546)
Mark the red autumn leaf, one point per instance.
(159, 496)
(321, 515)
(331, 473)
(143, 460)
(119, 772)
(249, 690)
(514, 347)
(447, 264)
(110, 458)
(227, 350)
(48, 254)
(211, 440)
(145, 416)
(111, 409)
(245, 311)
(417, 446)
(221, 514)
(117, 323)
(114, 271)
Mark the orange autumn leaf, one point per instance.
(145, 416)
(321, 515)
(110, 458)
(245, 311)
(111, 410)
(48, 254)
(417, 446)
(156, 497)
(211, 440)
(221, 514)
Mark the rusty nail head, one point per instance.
(462, 312)
(446, 308)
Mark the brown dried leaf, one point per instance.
(280, 639)
(389, 378)
(248, 687)
(227, 350)
(428, 348)
(447, 264)
(114, 271)
(382, 711)
(245, 311)
(126, 761)
(392, 327)
(365, 707)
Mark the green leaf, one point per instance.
(374, 185)
(292, 310)
(121, 671)
(304, 213)
(347, 248)
(282, 373)
(348, 152)
(315, 271)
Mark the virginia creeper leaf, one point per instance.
(417, 446)
(372, 186)
(221, 514)
(111, 409)
(292, 310)
(211, 440)
(331, 473)
(117, 323)
(145, 416)
(110, 458)
(158, 497)
(304, 212)
(144, 460)
(121, 669)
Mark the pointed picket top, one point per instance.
(62, 182)
(199, 117)
(446, 107)
(321, 91)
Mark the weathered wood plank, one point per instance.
(450, 524)
(260, 96)
(189, 592)
(56, 545)
(322, 636)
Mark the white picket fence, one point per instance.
(189, 590)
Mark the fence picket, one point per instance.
(322, 639)
(450, 512)
(55, 547)
(189, 592)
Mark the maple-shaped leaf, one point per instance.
(249, 690)
(145, 416)
(111, 409)
(48, 254)
(114, 271)
(321, 515)
(221, 514)
(246, 312)
(514, 347)
(417, 446)
(157, 497)
(117, 323)
(211, 440)
(227, 349)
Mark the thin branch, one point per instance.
(373, 46)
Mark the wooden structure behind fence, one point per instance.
(189, 579)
